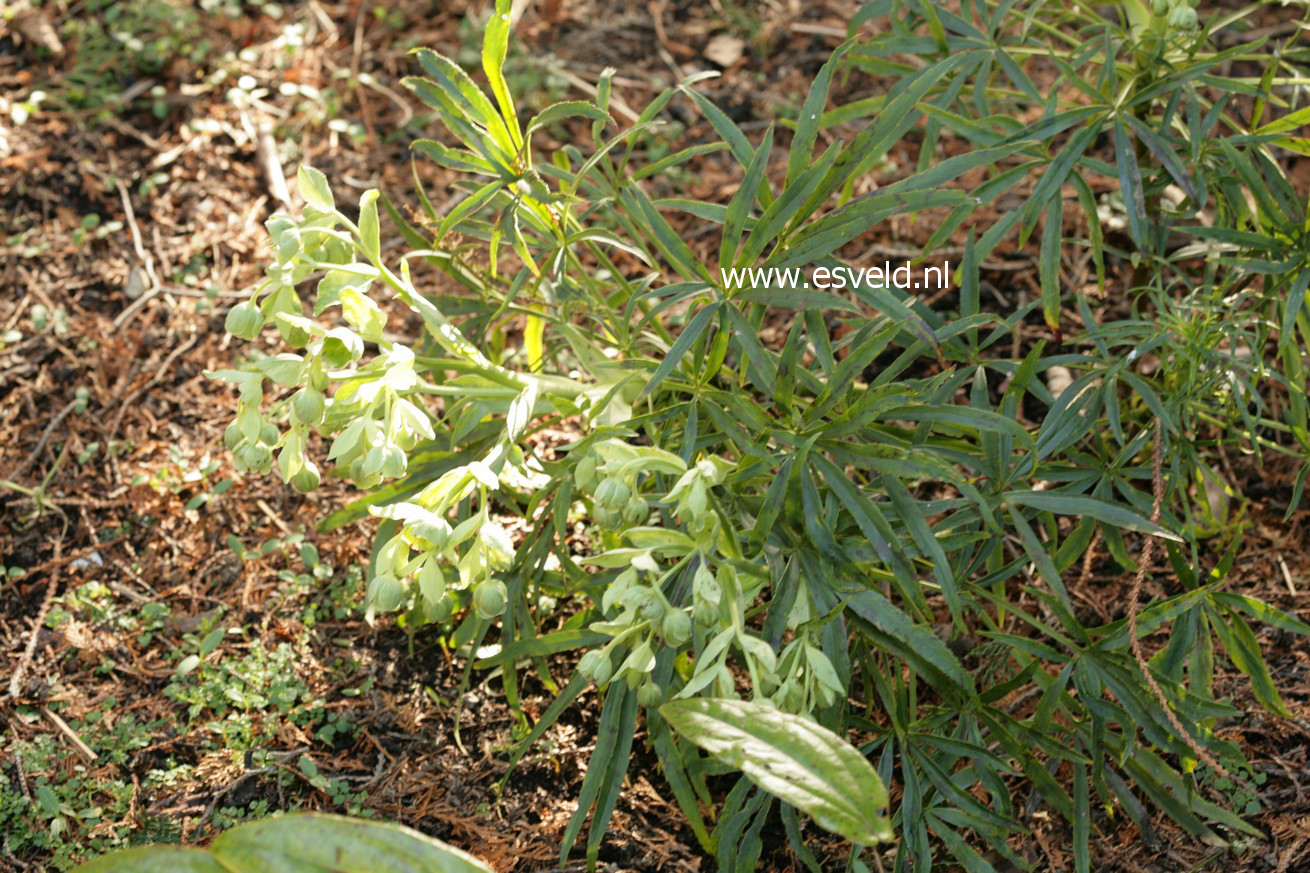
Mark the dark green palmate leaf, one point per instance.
(792, 758)
(300, 843)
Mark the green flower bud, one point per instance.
(269, 434)
(706, 585)
(1183, 17)
(244, 320)
(605, 519)
(308, 406)
(603, 670)
(635, 510)
(278, 224)
(287, 244)
(697, 500)
(490, 598)
(342, 346)
(393, 461)
(584, 474)
(793, 697)
(590, 662)
(356, 468)
(385, 592)
(650, 695)
(306, 478)
(705, 614)
(256, 457)
(613, 493)
(650, 605)
(496, 545)
(441, 611)
(677, 627)
(232, 437)
(1160, 7)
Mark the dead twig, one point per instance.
(147, 262)
(45, 436)
(87, 753)
(1134, 597)
(25, 660)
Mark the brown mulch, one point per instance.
(107, 418)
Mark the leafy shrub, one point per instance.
(865, 537)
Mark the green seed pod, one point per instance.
(584, 474)
(489, 598)
(677, 627)
(308, 406)
(244, 320)
(232, 437)
(650, 695)
(306, 478)
(269, 434)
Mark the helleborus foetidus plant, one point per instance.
(866, 531)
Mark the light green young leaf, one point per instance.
(792, 758)
(300, 843)
(495, 46)
(369, 230)
(315, 189)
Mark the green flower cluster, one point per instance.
(416, 560)
(1179, 14)
(611, 471)
(372, 416)
(649, 608)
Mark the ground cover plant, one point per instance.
(826, 565)
(788, 545)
